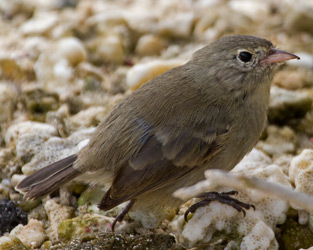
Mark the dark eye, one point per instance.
(244, 56)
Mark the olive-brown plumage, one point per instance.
(207, 113)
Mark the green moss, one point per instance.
(295, 236)
(12, 243)
(66, 229)
(46, 245)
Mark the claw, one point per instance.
(222, 197)
(122, 214)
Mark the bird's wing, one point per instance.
(162, 159)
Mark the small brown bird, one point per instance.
(207, 113)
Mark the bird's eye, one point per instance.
(244, 56)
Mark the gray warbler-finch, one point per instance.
(207, 113)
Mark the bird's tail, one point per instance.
(49, 178)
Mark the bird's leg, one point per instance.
(122, 214)
(223, 197)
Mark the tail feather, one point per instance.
(49, 178)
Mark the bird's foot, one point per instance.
(223, 197)
(122, 214)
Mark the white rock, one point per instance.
(56, 148)
(32, 235)
(279, 141)
(301, 171)
(141, 73)
(28, 136)
(71, 49)
(56, 214)
(252, 9)
(179, 25)
(149, 45)
(105, 21)
(257, 227)
(8, 101)
(87, 117)
(260, 237)
(110, 49)
(40, 24)
(56, 64)
(15, 131)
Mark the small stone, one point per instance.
(56, 214)
(10, 69)
(260, 237)
(10, 216)
(301, 171)
(8, 101)
(149, 44)
(55, 66)
(279, 141)
(305, 124)
(291, 80)
(300, 18)
(28, 137)
(71, 49)
(107, 49)
(88, 117)
(221, 22)
(286, 105)
(142, 73)
(252, 9)
(32, 235)
(40, 24)
(177, 26)
(54, 149)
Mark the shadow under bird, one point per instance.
(207, 113)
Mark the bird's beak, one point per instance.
(278, 56)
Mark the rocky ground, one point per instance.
(65, 63)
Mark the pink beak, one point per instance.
(278, 56)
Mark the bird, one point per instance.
(205, 114)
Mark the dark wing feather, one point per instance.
(160, 161)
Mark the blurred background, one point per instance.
(65, 63)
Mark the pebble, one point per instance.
(279, 141)
(8, 101)
(286, 105)
(256, 227)
(300, 17)
(32, 235)
(149, 44)
(301, 171)
(56, 214)
(28, 137)
(179, 25)
(290, 80)
(107, 49)
(141, 73)
(40, 24)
